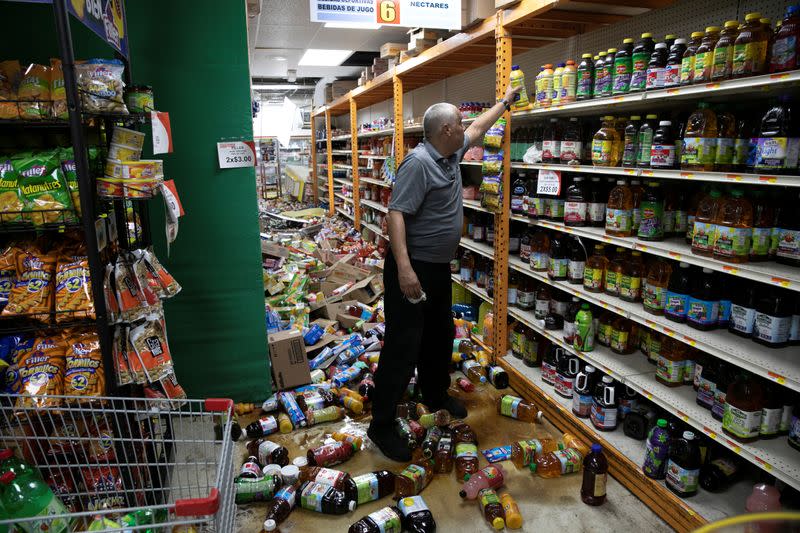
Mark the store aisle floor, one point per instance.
(546, 504)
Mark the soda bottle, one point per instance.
(386, 520)
(282, 504)
(30, 496)
(557, 463)
(585, 84)
(623, 68)
(268, 452)
(492, 508)
(595, 477)
(584, 330)
(374, 485)
(683, 465)
(10, 463)
(324, 499)
(413, 479)
(515, 407)
(443, 457)
(523, 452)
(489, 477)
(640, 57)
(259, 490)
(417, 518)
(266, 425)
(331, 454)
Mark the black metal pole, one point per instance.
(86, 187)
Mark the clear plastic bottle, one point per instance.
(733, 227)
(614, 272)
(595, 271)
(558, 80)
(722, 64)
(630, 286)
(704, 232)
(704, 57)
(689, 58)
(655, 287)
(726, 140)
(645, 140)
(585, 84)
(557, 463)
(606, 144)
(517, 79)
(750, 49)
(656, 68)
(700, 140)
(651, 227)
(576, 207)
(619, 211)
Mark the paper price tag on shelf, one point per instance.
(236, 154)
(735, 447)
(768, 179)
(549, 182)
(782, 282)
(683, 416)
(709, 432)
(675, 255)
(763, 463)
(687, 175)
(777, 378)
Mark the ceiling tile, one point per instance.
(272, 36)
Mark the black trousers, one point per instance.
(417, 336)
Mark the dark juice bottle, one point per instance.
(672, 73)
(630, 150)
(662, 151)
(722, 62)
(763, 220)
(743, 405)
(777, 145)
(571, 146)
(585, 87)
(597, 203)
(595, 476)
(551, 145)
(773, 319)
(704, 57)
(623, 68)
(743, 308)
(599, 74)
(651, 226)
(703, 304)
(518, 189)
(640, 58)
(677, 298)
(656, 67)
(559, 259)
(750, 49)
(784, 49)
(577, 261)
(689, 58)
(683, 465)
(576, 207)
(608, 72)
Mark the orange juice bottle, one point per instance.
(606, 144)
(560, 462)
(655, 287)
(733, 228)
(571, 441)
(619, 210)
(704, 233)
(524, 452)
(595, 271)
(699, 148)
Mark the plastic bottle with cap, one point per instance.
(300, 462)
(513, 517)
(290, 474)
(331, 454)
(417, 518)
(595, 477)
(492, 508)
(272, 470)
(282, 505)
(324, 499)
(385, 520)
(268, 452)
(489, 477)
(270, 526)
(11, 463)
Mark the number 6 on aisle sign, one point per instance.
(388, 11)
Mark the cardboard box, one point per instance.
(273, 250)
(365, 291)
(404, 56)
(423, 33)
(342, 87)
(331, 309)
(393, 62)
(473, 11)
(287, 353)
(391, 49)
(343, 273)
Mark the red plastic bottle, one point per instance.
(331, 454)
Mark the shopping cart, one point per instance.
(156, 464)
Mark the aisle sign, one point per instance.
(236, 154)
(445, 14)
(549, 182)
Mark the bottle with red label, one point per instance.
(595, 477)
(576, 208)
(550, 363)
(337, 479)
(656, 68)
(266, 425)
(583, 391)
(784, 50)
(662, 151)
(568, 367)
(331, 454)
(551, 146)
(251, 469)
(571, 145)
(489, 477)
(672, 74)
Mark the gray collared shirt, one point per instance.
(428, 192)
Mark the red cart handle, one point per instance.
(219, 405)
(198, 506)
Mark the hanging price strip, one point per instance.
(549, 182)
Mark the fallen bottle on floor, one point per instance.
(413, 479)
(417, 518)
(489, 477)
(331, 454)
(324, 499)
(386, 520)
(492, 508)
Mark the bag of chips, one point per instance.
(44, 189)
(71, 177)
(57, 91)
(32, 293)
(11, 205)
(34, 93)
(74, 290)
(492, 163)
(8, 274)
(83, 371)
(119, 351)
(10, 73)
(101, 86)
(110, 293)
(494, 136)
(105, 488)
(41, 371)
(169, 286)
(150, 342)
(132, 304)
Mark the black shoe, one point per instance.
(454, 407)
(389, 443)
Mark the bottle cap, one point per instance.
(532, 467)
(651, 117)
(589, 368)
(586, 56)
(498, 523)
(601, 54)
(764, 21)
(647, 36)
(290, 474)
(688, 435)
(661, 45)
(270, 525)
(608, 379)
(661, 423)
(272, 470)
(514, 67)
(351, 505)
(670, 36)
(612, 50)
(680, 41)
(596, 448)
(627, 40)
(636, 117)
(750, 17)
(300, 462)
(713, 29)
(731, 24)
(665, 123)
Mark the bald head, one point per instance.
(436, 117)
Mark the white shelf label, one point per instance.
(236, 154)
(549, 182)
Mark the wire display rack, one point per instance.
(146, 462)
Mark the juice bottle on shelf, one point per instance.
(614, 272)
(778, 143)
(703, 304)
(772, 412)
(583, 391)
(750, 49)
(656, 451)
(704, 232)
(413, 479)
(608, 73)
(576, 207)
(743, 308)
(672, 72)
(619, 211)
(637, 191)
(644, 141)
(585, 83)
(733, 227)
(662, 151)
(555, 89)
(492, 508)
(640, 57)
(722, 63)
(630, 284)
(700, 140)
(551, 145)
(651, 226)
(673, 201)
(605, 405)
(725, 290)
(517, 79)
(743, 405)
(584, 330)
(576, 266)
(595, 477)
(669, 39)
(544, 86)
(689, 58)
(622, 336)
(784, 49)
(488, 477)
(557, 463)
(671, 359)
(726, 140)
(518, 194)
(763, 219)
(569, 79)
(605, 145)
(786, 234)
(550, 362)
(605, 326)
(530, 356)
(677, 298)
(516, 407)
(655, 287)
(704, 56)
(568, 367)
(773, 320)
(595, 271)
(571, 149)
(623, 68)
(599, 74)
(524, 452)
(683, 465)
(630, 147)
(745, 146)
(656, 67)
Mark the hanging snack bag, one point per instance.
(119, 352)
(41, 371)
(168, 283)
(74, 290)
(129, 294)
(149, 285)
(494, 136)
(10, 73)
(8, 274)
(44, 189)
(34, 93)
(84, 375)
(32, 293)
(71, 177)
(11, 205)
(112, 304)
(150, 342)
(101, 86)
(57, 91)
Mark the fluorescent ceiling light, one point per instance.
(315, 57)
(278, 58)
(353, 25)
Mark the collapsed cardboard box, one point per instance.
(273, 250)
(389, 50)
(287, 353)
(365, 291)
(326, 339)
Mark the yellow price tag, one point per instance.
(777, 378)
(687, 175)
(780, 76)
(768, 179)
(673, 91)
(730, 269)
(712, 85)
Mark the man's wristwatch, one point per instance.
(506, 104)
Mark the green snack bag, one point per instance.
(44, 190)
(11, 205)
(71, 177)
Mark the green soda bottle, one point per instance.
(11, 463)
(31, 497)
(584, 330)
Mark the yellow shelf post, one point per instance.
(397, 94)
(354, 157)
(314, 174)
(331, 208)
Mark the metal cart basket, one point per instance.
(126, 464)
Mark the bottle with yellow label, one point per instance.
(605, 144)
(704, 57)
(750, 49)
(722, 63)
(518, 80)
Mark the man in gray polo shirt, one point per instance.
(425, 219)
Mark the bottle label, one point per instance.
(662, 156)
(654, 296)
(488, 497)
(784, 53)
(732, 242)
(726, 151)
(551, 149)
(252, 470)
(601, 152)
(466, 450)
(516, 203)
(670, 371)
(571, 151)
(600, 481)
(651, 225)
(703, 236)
(575, 211)
(287, 494)
(705, 392)
(604, 334)
(268, 425)
(612, 282)
(742, 319)
(530, 449)
(776, 153)
(312, 495)
(794, 330)
(702, 64)
(788, 245)
(639, 74)
(603, 417)
(619, 340)
(581, 404)
(622, 75)
(645, 144)
(329, 477)
(703, 312)
(771, 329)
(525, 251)
(525, 300)
(570, 460)
(687, 70)
(724, 312)
(759, 244)
(743, 424)
(722, 62)
(698, 151)
(576, 269)
(770, 421)
(619, 220)
(509, 406)
(417, 474)
(749, 58)
(596, 212)
(786, 419)
(564, 384)
(718, 409)
(584, 83)
(367, 486)
(541, 308)
(676, 304)
(656, 452)
(386, 519)
(411, 505)
(593, 278)
(682, 479)
(742, 152)
(655, 78)
(536, 207)
(540, 260)
(630, 287)
(548, 373)
(672, 75)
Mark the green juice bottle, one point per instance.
(584, 330)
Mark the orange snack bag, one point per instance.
(83, 372)
(41, 371)
(32, 293)
(74, 290)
